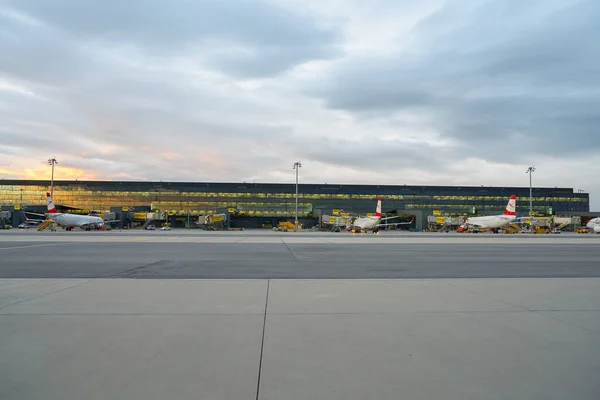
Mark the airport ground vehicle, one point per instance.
(285, 226)
(150, 228)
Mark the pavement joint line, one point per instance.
(262, 342)
(37, 245)
(321, 280)
(541, 313)
(44, 294)
(568, 310)
(92, 314)
(144, 366)
(401, 312)
(533, 311)
(261, 314)
(295, 314)
(288, 248)
(489, 296)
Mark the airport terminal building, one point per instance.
(254, 205)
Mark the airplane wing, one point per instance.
(35, 221)
(395, 223)
(482, 224)
(32, 213)
(533, 220)
(385, 219)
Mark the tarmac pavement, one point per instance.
(270, 255)
(113, 334)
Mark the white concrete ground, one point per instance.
(300, 339)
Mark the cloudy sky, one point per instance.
(385, 91)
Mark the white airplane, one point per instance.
(594, 225)
(31, 222)
(70, 221)
(364, 224)
(496, 221)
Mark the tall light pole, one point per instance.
(297, 166)
(530, 171)
(52, 161)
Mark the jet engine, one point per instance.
(597, 229)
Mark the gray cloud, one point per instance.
(40, 54)
(389, 154)
(173, 22)
(508, 71)
(225, 35)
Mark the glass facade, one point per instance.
(278, 200)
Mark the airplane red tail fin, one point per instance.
(511, 206)
(378, 209)
(51, 208)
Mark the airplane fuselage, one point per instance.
(73, 220)
(594, 225)
(491, 221)
(365, 223)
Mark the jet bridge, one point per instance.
(212, 221)
(336, 222)
(554, 223)
(562, 222)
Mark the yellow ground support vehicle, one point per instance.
(286, 226)
(583, 230)
(511, 228)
